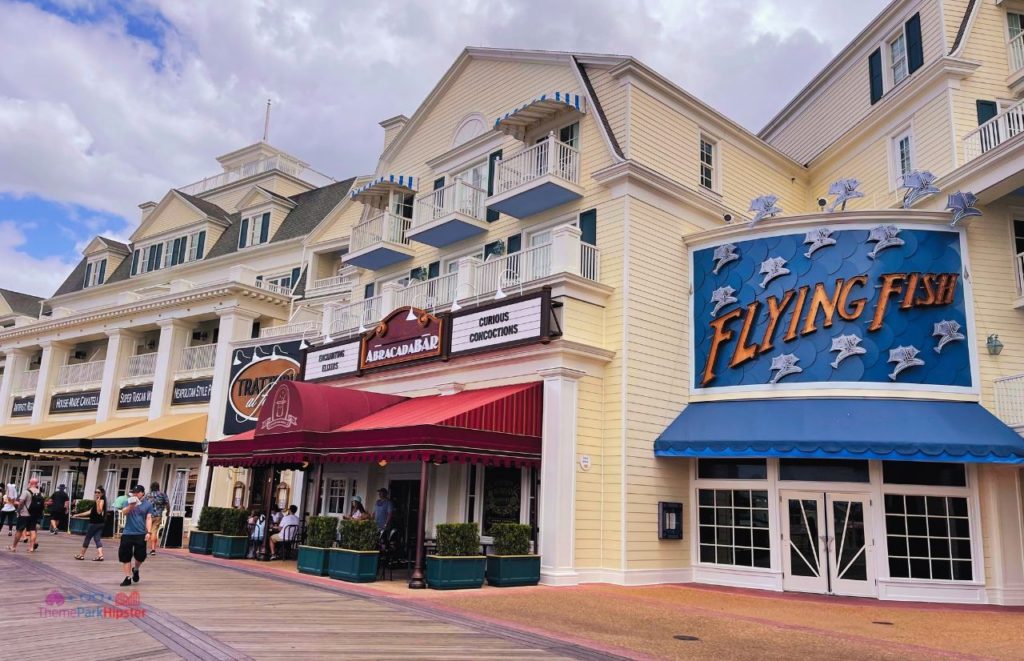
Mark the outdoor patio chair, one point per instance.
(289, 539)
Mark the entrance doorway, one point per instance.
(405, 494)
(826, 543)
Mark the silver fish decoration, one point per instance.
(846, 345)
(886, 236)
(844, 191)
(764, 207)
(818, 238)
(724, 254)
(721, 297)
(919, 184)
(962, 206)
(904, 357)
(773, 267)
(784, 365)
(948, 331)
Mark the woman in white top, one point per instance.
(9, 513)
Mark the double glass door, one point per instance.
(827, 543)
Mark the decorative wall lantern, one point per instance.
(994, 346)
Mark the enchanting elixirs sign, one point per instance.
(882, 304)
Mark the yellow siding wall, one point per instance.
(339, 224)
(612, 96)
(953, 14)
(176, 214)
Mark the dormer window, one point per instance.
(95, 272)
(172, 252)
(254, 230)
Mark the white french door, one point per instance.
(826, 545)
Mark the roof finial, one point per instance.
(266, 123)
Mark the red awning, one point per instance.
(493, 425)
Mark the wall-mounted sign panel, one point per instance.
(23, 406)
(397, 339)
(135, 397)
(254, 371)
(332, 362)
(75, 402)
(193, 391)
(884, 305)
(497, 326)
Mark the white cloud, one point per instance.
(24, 273)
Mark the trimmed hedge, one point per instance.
(234, 522)
(458, 539)
(209, 518)
(359, 535)
(511, 538)
(83, 505)
(320, 531)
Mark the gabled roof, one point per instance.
(101, 243)
(23, 304)
(259, 191)
(209, 208)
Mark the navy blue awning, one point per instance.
(893, 429)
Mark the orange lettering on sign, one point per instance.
(744, 351)
(821, 301)
(775, 310)
(797, 311)
(908, 296)
(928, 280)
(858, 305)
(892, 283)
(721, 335)
(946, 288)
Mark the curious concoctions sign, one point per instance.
(881, 304)
(254, 371)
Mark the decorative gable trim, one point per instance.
(258, 197)
(172, 195)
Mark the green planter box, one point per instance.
(229, 546)
(313, 560)
(510, 570)
(201, 541)
(79, 526)
(352, 566)
(455, 573)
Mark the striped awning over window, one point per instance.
(518, 121)
(372, 191)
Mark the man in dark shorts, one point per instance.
(138, 526)
(59, 510)
(30, 508)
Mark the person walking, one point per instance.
(30, 508)
(58, 509)
(158, 499)
(138, 526)
(96, 517)
(9, 513)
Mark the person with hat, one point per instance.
(138, 527)
(59, 510)
(357, 512)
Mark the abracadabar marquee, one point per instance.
(875, 304)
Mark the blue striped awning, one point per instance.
(840, 428)
(518, 121)
(382, 186)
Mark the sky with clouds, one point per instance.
(104, 105)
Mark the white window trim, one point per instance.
(716, 163)
(904, 131)
(92, 267)
(255, 222)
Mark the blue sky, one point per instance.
(105, 105)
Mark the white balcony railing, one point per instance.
(1015, 53)
(141, 366)
(346, 279)
(590, 262)
(456, 197)
(994, 132)
(281, 163)
(385, 227)
(198, 358)
(514, 270)
(311, 328)
(544, 158)
(1010, 399)
(350, 317)
(80, 374)
(273, 288)
(429, 294)
(27, 381)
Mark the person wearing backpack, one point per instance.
(30, 508)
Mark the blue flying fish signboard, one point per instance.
(881, 304)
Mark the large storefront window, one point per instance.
(929, 537)
(502, 496)
(733, 527)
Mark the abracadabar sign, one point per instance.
(882, 304)
(497, 326)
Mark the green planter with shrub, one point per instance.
(201, 540)
(457, 564)
(512, 563)
(80, 526)
(358, 554)
(320, 532)
(233, 537)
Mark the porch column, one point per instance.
(120, 345)
(327, 320)
(565, 249)
(92, 474)
(416, 581)
(235, 325)
(17, 361)
(146, 473)
(1001, 515)
(556, 513)
(466, 282)
(55, 354)
(173, 335)
(298, 492)
(388, 299)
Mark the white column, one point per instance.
(92, 475)
(466, 284)
(146, 472)
(235, 325)
(327, 320)
(55, 354)
(557, 507)
(17, 361)
(1002, 515)
(388, 298)
(173, 335)
(120, 345)
(565, 249)
(440, 485)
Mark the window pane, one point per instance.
(727, 528)
(927, 547)
(732, 469)
(925, 473)
(824, 470)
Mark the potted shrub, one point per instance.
(457, 563)
(356, 558)
(320, 532)
(231, 541)
(201, 540)
(512, 563)
(80, 526)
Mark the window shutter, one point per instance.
(265, 228)
(135, 261)
(202, 242)
(259, 278)
(514, 243)
(915, 51)
(88, 274)
(103, 272)
(439, 183)
(183, 249)
(174, 252)
(368, 291)
(875, 75)
(296, 274)
(433, 269)
(159, 254)
(491, 215)
(588, 227)
(243, 232)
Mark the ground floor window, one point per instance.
(929, 537)
(733, 527)
(335, 497)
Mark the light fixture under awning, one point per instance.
(519, 121)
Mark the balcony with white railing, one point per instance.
(428, 294)
(197, 359)
(346, 279)
(141, 367)
(1010, 400)
(379, 242)
(536, 179)
(449, 214)
(994, 132)
(26, 382)
(349, 318)
(273, 287)
(1015, 58)
(308, 328)
(515, 271)
(280, 163)
(80, 374)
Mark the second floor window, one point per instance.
(898, 59)
(903, 157)
(95, 272)
(707, 164)
(165, 254)
(254, 230)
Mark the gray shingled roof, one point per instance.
(209, 208)
(24, 304)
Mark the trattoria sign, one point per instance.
(254, 371)
(398, 339)
(883, 304)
